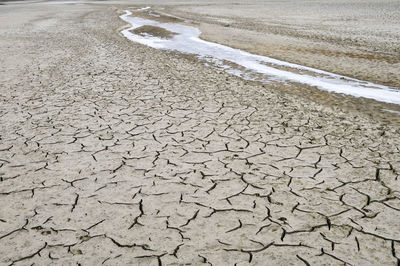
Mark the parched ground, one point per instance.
(114, 153)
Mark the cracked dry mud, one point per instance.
(114, 153)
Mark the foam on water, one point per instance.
(187, 41)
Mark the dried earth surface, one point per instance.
(114, 153)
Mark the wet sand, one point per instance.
(115, 153)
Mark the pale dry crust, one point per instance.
(114, 153)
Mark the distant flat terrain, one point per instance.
(356, 38)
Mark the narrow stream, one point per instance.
(185, 39)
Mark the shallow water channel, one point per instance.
(185, 39)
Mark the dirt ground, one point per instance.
(114, 153)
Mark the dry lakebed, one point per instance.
(200, 132)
